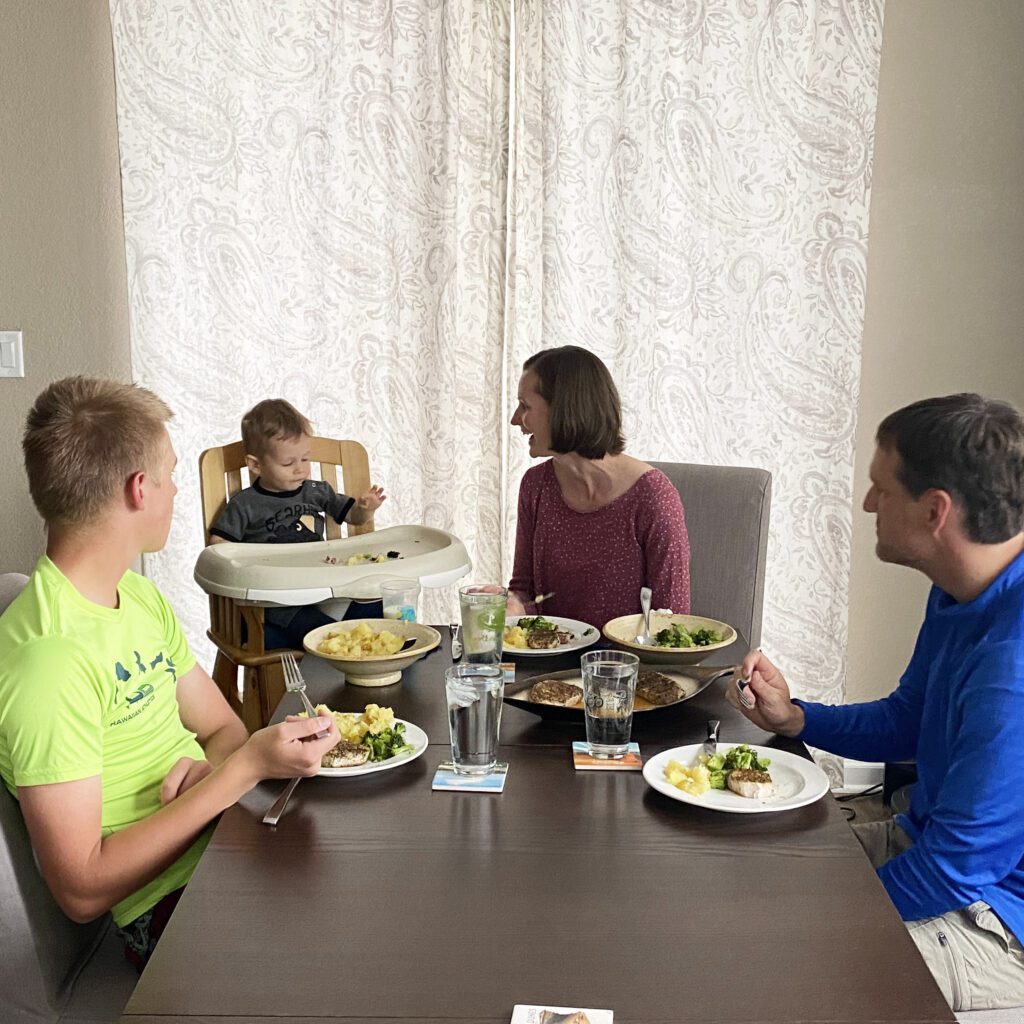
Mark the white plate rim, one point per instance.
(576, 625)
(413, 733)
(815, 780)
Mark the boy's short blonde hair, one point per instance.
(271, 420)
(84, 438)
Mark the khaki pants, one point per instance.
(977, 962)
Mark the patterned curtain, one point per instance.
(689, 188)
(314, 208)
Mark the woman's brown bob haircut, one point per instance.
(84, 439)
(271, 420)
(584, 407)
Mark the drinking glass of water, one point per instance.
(399, 599)
(483, 622)
(474, 695)
(609, 688)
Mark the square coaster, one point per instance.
(523, 1014)
(446, 778)
(583, 760)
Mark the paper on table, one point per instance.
(524, 1014)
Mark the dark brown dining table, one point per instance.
(376, 900)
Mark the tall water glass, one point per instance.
(483, 622)
(474, 695)
(609, 689)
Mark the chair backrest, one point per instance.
(727, 511)
(222, 474)
(43, 950)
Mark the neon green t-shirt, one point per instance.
(87, 690)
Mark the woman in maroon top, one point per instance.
(595, 525)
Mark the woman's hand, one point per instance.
(516, 604)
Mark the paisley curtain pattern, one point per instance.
(314, 207)
(689, 185)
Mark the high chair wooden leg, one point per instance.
(252, 706)
(225, 675)
(271, 688)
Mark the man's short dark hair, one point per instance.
(970, 447)
(584, 407)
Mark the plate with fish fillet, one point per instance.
(776, 780)
(533, 635)
(348, 758)
(559, 695)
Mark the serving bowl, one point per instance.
(690, 679)
(374, 669)
(622, 633)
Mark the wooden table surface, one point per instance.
(378, 900)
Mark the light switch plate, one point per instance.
(12, 360)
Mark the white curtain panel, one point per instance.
(314, 208)
(689, 186)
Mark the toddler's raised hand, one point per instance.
(372, 499)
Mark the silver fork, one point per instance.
(293, 681)
(273, 816)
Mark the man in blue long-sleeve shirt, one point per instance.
(947, 491)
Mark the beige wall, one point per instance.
(945, 294)
(62, 263)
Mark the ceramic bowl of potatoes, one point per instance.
(371, 652)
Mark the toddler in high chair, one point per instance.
(284, 506)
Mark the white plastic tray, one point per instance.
(294, 574)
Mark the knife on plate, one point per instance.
(711, 743)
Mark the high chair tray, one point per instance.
(296, 574)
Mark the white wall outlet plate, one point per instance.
(12, 360)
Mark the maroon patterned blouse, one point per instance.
(596, 562)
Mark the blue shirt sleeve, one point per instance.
(880, 730)
(974, 837)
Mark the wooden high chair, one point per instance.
(220, 477)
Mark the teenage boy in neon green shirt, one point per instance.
(118, 746)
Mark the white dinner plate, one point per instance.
(798, 781)
(413, 734)
(573, 626)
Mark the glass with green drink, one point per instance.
(483, 622)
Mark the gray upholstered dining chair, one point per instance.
(52, 970)
(727, 511)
